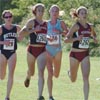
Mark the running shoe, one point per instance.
(7, 99)
(27, 82)
(51, 98)
(41, 98)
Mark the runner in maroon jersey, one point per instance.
(79, 35)
(36, 29)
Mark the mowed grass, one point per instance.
(63, 89)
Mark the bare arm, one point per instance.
(6, 42)
(64, 27)
(0, 30)
(18, 28)
(69, 38)
(1, 42)
(27, 29)
(93, 34)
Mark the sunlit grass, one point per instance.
(63, 88)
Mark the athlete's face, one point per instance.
(39, 11)
(82, 14)
(54, 12)
(8, 17)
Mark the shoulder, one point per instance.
(75, 26)
(91, 26)
(30, 22)
(0, 26)
(45, 21)
(48, 21)
(18, 28)
(62, 23)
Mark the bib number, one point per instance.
(55, 41)
(41, 38)
(84, 43)
(10, 46)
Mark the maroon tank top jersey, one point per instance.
(40, 36)
(86, 32)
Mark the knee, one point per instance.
(72, 76)
(85, 78)
(73, 80)
(50, 75)
(2, 77)
(56, 75)
(50, 72)
(30, 73)
(41, 73)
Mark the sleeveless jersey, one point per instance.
(56, 36)
(86, 32)
(40, 36)
(10, 35)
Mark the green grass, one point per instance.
(63, 88)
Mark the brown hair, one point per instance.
(74, 12)
(36, 6)
(6, 11)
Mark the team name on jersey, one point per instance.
(10, 35)
(85, 32)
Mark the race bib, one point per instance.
(41, 38)
(84, 43)
(55, 41)
(10, 46)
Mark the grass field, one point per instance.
(63, 88)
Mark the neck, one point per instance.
(39, 20)
(8, 25)
(53, 21)
(83, 22)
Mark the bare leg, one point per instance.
(3, 65)
(31, 65)
(85, 66)
(50, 74)
(41, 62)
(74, 65)
(11, 65)
(57, 64)
(31, 68)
